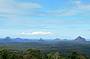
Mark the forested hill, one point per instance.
(38, 54)
(64, 47)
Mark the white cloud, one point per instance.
(36, 33)
(81, 5)
(7, 8)
(41, 33)
(78, 8)
(28, 5)
(25, 33)
(11, 9)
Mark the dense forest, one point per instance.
(37, 54)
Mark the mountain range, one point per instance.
(9, 39)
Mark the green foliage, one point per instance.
(33, 54)
(37, 54)
(4, 53)
(55, 55)
(76, 55)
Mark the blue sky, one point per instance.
(45, 18)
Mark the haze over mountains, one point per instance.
(9, 39)
(64, 46)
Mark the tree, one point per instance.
(54, 55)
(76, 55)
(32, 54)
(4, 53)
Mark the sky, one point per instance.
(64, 19)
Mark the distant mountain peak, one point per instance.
(57, 39)
(79, 38)
(41, 39)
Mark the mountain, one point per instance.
(9, 39)
(80, 39)
(57, 39)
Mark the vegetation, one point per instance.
(37, 54)
(45, 50)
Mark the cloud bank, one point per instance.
(36, 33)
(9, 8)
